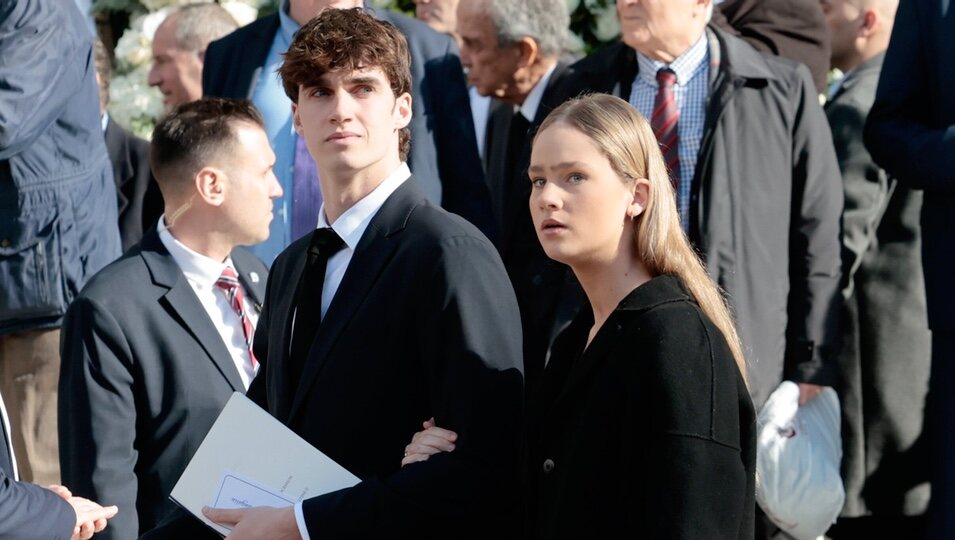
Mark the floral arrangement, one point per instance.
(136, 105)
(132, 102)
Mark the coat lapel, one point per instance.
(186, 308)
(376, 247)
(116, 144)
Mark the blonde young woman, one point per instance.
(643, 425)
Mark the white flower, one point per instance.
(153, 5)
(576, 42)
(132, 50)
(133, 103)
(242, 12)
(606, 25)
(572, 5)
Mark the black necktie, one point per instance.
(514, 168)
(308, 297)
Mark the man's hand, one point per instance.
(432, 440)
(257, 523)
(807, 392)
(90, 517)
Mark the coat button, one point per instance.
(537, 280)
(4, 243)
(548, 465)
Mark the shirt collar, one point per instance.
(351, 225)
(197, 268)
(533, 100)
(685, 66)
(287, 25)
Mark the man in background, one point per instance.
(886, 345)
(179, 50)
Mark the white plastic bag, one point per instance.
(798, 453)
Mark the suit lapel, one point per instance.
(186, 308)
(376, 247)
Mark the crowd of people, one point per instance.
(518, 291)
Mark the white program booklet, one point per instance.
(249, 459)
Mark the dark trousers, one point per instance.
(940, 419)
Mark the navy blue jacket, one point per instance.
(911, 134)
(58, 222)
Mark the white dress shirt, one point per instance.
(350, 226)
(533, 100)
(201, 273)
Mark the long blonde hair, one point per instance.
(624, 136)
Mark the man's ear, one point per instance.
(870, 23)
(641, 197)
(296, 120)
(529, 52)
(210, 185)
(402, 111)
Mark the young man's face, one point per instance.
(351, 121)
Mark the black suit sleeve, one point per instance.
(29, 512)
(901, 132)
(470, 351)
(814, 240)
(97, 413)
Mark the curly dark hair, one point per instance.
(348, 40)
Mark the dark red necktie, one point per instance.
(665, 120)
(229, 283)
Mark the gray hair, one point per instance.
(199, 24)
(544, 21)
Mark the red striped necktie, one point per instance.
(229, 283)
(665, 121)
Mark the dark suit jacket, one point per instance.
(443, 145)
(794, 29)
(547, 293)
(886, 345)
(144, 375)
(424, 324)
(767, 222)
(649, 432)
(140, 202)
(911, 133)
(28, 511)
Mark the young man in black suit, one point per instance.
(417, 318)
(159, 340)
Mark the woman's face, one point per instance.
(580, 206)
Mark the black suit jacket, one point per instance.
(28, 511)
(911, 133)
(424, 324)
(547, 293)
(139, 201)
(649, 432)
(443, 153)
(144, 375)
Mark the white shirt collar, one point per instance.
(685, 65)
(197, 268)
(351, 225)
(533, 100)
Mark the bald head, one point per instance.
(858, 29)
